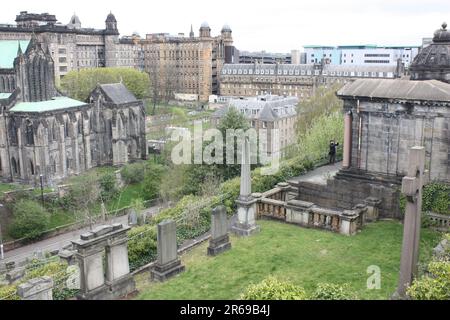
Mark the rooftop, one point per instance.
(4, 95)
(8, 50)
(429, 90)
(57, 103)
(118, 93)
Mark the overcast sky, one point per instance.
(275, 26)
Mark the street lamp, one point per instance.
(41, 178)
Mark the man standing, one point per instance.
(332, 152)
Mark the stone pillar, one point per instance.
(220, 240)
(412, 188)
(246, 203)
(118, 275)
(349, 222)
(284, 186)
(92, 279)
(346, 163)
(168, 263)
(36, 289)
(373, 208)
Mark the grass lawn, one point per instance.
(303, 256)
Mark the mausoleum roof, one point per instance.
(117, 93)
(57, 103)
(428, 90)
(8, 52)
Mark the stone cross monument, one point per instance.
(246, 203)
(412, 188)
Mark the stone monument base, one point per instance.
(118, 289)
(218, 246)
(163, 272)
(245, 230)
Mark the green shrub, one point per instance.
(30, 220)
(152, 182)
(273, 289)
(9, 292)
(327, 291)
(435, 198)
(435, 286)
(141, 246)
(108, 186)
(133, 173)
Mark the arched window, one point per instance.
(54, 131)
(29, 133)
(31, 167)
(80, 125)
(53, 165)
(66, 129)
(15, 166)
(12, 130)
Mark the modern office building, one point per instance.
(361, 54)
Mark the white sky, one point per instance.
(274, 26)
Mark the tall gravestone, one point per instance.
(412, 185)
(168, 263)
(220, 241)
(246, 203)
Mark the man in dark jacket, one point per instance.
(332, 152)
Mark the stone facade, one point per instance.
(266, 112)
(73, 47)
(188, 65)
(294, 80)
(43, 132)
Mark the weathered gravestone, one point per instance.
(168, 263)
(220, 241)
(245, 224)
(412, 185)
(36, 289)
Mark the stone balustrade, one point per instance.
(278, 204)
(439, 221)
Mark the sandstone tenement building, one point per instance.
(44, 133)
(294, 80)
(188, 65)
(73, 47)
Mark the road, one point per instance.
(57, 243)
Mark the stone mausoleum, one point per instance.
(44, 132)
(384, 118)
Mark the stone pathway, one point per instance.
(320, 174)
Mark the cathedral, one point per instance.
(43, 132)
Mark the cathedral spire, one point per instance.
(191, 34)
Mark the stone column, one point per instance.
(373, 208)
(220, 240)
(118, 275)
(349, 222)
(168, 263)
(346, 163)
(92, 278)
(412, 188)
(246, 203)
(36, 289)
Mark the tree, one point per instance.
(79, 84)
(85, 191)
(30, 220)
(323, 102)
